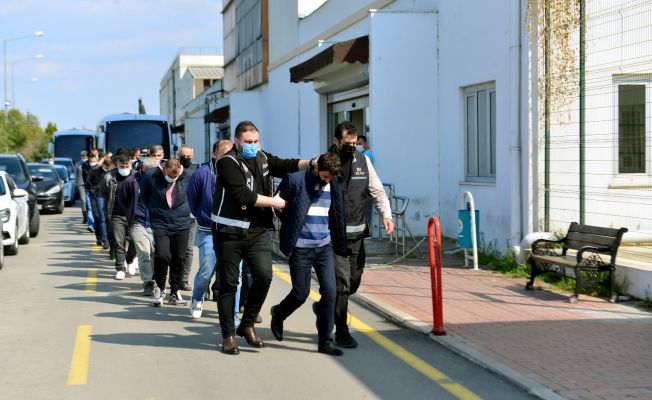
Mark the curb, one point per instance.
(457, 344)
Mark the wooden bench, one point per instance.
(592, 251)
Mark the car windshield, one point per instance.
(46, 171)
(62, 171)
(13, 167)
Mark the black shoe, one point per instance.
(276, 325)
(98, 242)
(315, 308)
(105, 245)
(84, 220)
(186, 287)
(91, 230)
(344, 339)
(330, 349)
(148, 288)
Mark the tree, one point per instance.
(21, 133)
(141, 106)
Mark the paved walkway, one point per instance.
(589, 350)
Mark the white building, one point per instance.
(440, 88)
(191, 83)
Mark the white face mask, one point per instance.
(124, 171)
(360, 148)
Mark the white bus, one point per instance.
(70, 143)
(129, 131)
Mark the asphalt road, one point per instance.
(70, 331)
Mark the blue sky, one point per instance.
(100, 55)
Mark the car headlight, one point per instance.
(54, 189)
(4, 215)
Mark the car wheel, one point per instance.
(12, 249)
(25, 238)
(59, 209)
(34, 223)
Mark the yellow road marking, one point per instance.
(95, 248)
(410, 359)
(91, 280)
(78, 374)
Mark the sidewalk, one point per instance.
(589, 350)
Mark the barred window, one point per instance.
(631, 129)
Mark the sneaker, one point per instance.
(157, 297)
(176, 299)
(120, 275)
(196, 308)
(148, 288)
(105, 245)
(131, 269)
(98, 242)
(90, 229)
(344, 339)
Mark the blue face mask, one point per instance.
(249, 150)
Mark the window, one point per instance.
(631, 129)
(480, 132)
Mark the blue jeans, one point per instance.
(207, 264)
(102, 225)
(301, 263)
(90, 222)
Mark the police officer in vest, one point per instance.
(360, 183)
(241, 216)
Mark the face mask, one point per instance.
(124, 171)
(170, 180)
(359, 148)
(347, 149)
(185, 161)
(93, 164)
(249, 150)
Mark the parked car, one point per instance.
(14, 213)
(2, 249)
(66, 162)
(16, 167)
(68, 185)
(49, 188)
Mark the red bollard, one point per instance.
(435, 276)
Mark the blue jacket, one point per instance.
(161, 216)
(298, 189)
(200, 194)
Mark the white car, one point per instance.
(14, 213)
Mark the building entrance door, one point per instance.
(352, 109)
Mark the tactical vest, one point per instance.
(356, 193)
(229, 216)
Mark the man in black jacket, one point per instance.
(164, 195)
(241, 215)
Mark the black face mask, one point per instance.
(347, 149)
(185, 161)
(322, 183)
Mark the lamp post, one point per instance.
(4, 53)
(13, 93)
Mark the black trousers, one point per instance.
(348, 276)
(255, 249)
(169, 251)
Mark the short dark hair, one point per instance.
(345, 126)
(244, 126)
(173, 164)
(364, 138)
(329, 162)
(122, 158)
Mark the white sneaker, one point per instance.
(196, 308)
(176, 299)
(131, 269)
(157, 299)
(120, 275)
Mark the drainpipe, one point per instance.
(546, 116)
(515, 166)
(582, 108)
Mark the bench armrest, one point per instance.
(546, 247)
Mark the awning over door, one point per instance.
(333, 58)
(217, 116)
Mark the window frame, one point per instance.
(632, 179)
(482, 170)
